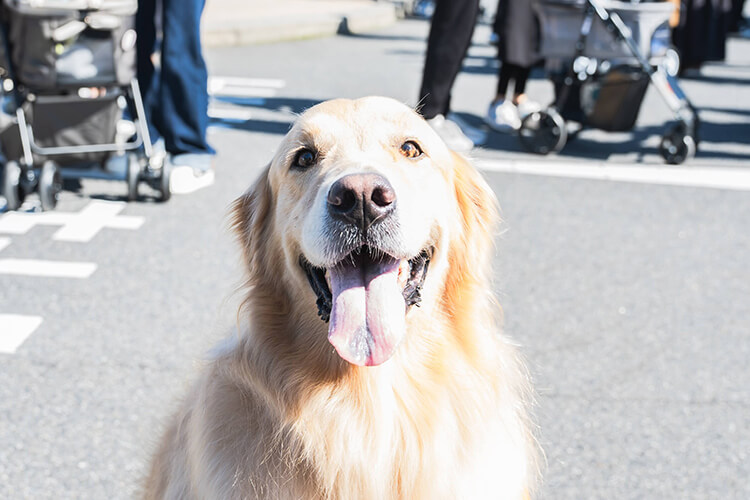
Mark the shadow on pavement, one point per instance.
(262, 126)
(604, 145)
(738, 132)
(385, 37)
(283, 104)
(720, 80)
(743, 112)
(288, 107)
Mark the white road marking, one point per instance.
(95, 216)
(21, 222)
(218, 83)
(232, 91)
(4, 242)
(76, 226)
(15, 329)
(47, 268)
(250, 91)
(717, 178)
(242, 115)
(229, 86)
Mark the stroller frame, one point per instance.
(22, 177)
(545, 131)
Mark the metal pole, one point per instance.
(24, 131)
(141, 113)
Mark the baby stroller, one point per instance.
(604, 47)
(67, 74)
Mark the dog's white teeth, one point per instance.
(327, 276)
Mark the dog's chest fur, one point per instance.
(390, 433)
(395, 438)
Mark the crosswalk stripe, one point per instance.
(79, 226)
(4, 242)
(714, 177)
(47, 268)
(21, 222)
(15, 329)
(95, 216)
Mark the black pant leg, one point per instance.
(450, 37)
(522, 75)
(507, 71)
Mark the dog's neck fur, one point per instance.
(404, 402)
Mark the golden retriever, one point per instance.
(370, 366)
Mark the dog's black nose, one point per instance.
(361, 199)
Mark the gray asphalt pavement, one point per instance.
(629, 299)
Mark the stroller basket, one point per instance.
(66, 44)
(612, 103)
(65, 121)
(561, 26)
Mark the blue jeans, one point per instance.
(175, 96)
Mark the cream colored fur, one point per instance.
(278, 415)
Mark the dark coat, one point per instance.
(736, 15)
(518, 30)
(702, 32)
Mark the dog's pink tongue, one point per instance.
(368, 317)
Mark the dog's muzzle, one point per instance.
(366, 291)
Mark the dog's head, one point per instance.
(362, 215)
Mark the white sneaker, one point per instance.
(191, 172)
(477, 136)
(503, 116)
(184, 179)
(451, 134)
(526, 107)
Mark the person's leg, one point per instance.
(503, 115)
(450, 37)
(524, 105)
(520, 76)
(503, 80)
(145, 26)
(735, 18)
(183, 114)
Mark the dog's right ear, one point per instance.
(251, 216)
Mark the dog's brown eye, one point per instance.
(305, 158)
(411, 149)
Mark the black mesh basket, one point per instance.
(56, 48)
(61, 121)
(612, 102)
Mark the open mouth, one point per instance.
(365, 297)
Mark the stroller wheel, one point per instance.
(677, 146)
(134, 176)
(671, 62)
(12, 189)
(543, 132)
(166, 174)
(50, 185)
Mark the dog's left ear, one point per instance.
(251, 216)
(479, 212)
(471, 251)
